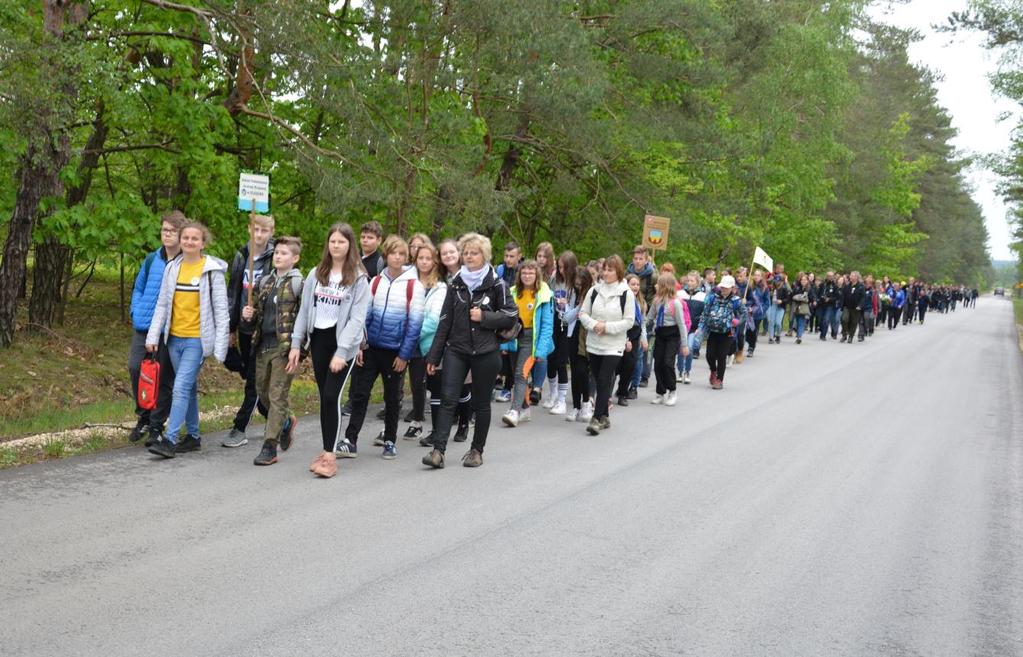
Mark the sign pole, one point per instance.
(252, 223)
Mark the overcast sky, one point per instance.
(965, 92)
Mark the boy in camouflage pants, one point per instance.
(272, 318)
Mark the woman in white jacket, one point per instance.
(607, 312)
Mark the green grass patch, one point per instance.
(8, 457)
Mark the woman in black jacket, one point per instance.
(477, 306)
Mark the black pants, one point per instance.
(330, 385)
(580, 380)
(375, 362)
(666, 347)
(894, 315)
(251, 399)
(851, 322)
(627, 367)
(604, 368)
(557, 362)
(484, 369)
(507, 371)
(718, 346)
(417, 382)
(464, 402)
(751, 338)
(923, 312)
(153, 419)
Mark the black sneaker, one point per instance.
(427, 440)
(346, 409)
(410, 417)
(379, 440)
(188, 444)
(267, 455)
(644, 383)
(155, 434)
(140, 430)
(633, 393)
(287, 435)
(414, 431)
(534, 397)
(462, 433)
(163, 447)
(623, 400)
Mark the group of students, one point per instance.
(575, 339)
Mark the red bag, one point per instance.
(149, 382)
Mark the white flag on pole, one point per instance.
(761, 258)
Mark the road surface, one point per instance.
(832, 500)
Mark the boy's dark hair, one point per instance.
(641, 249)
(372, 227)
(293, 243)
(512, 245)
(175, 218)
(708, 270)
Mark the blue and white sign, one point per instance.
(254, 187)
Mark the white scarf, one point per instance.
(473, 279)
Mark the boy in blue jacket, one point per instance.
(143, 302)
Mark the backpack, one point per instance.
(685, 313)
(593, 297)
(720, 317)
(409, 288)
(149, 382)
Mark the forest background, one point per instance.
(797, 125)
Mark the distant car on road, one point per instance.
(1000, 291)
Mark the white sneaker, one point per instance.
(571, 414)
(679, 377)
(586, 413)
(511, 418)
(525, 415)
(687, 379)
(549, 402)
(658, 399)
(559, 407)
(670, 399)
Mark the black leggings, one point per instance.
(323, 344)
(417, 382)
(484, 368)
(751, 338)
(557, 362)
(718, 346)
(375, 362)
(667, 341)
(604, 368)
(627, 367)
(433, 383)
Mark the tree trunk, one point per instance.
(38, 177)
(53, 257)
(511, 156)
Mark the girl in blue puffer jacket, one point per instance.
(535, 341)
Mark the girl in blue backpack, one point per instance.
(723, 314)
(535, 341)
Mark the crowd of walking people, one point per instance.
(543, 334)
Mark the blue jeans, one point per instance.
(800, 325)
(775, 315)
(186, 356)
(685, 363)
(830, 318)
(637, 372)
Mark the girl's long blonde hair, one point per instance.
(665, 290)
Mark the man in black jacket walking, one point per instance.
(852, 304)
(827, 305)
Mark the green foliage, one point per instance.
(748, 122)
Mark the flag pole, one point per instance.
(252, 222)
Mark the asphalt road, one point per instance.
(832, 500)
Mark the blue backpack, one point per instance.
(720, 315)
